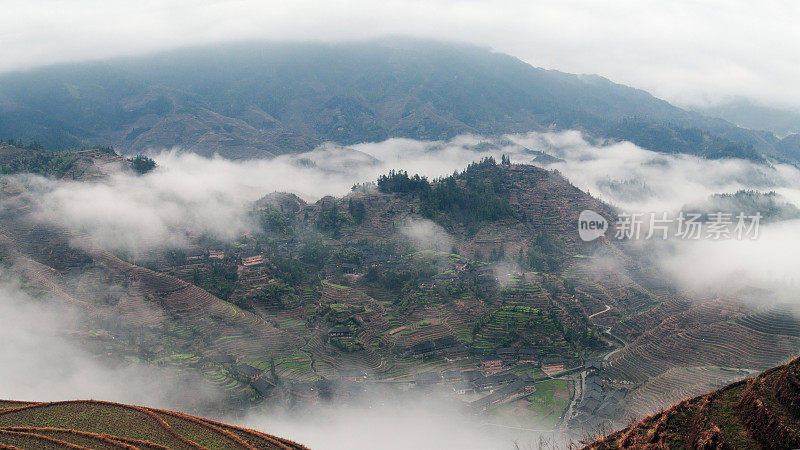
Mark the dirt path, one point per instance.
(608, 307)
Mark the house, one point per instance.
(451, 376)
(356, 376)
(509, 392)
(223, 358)
(528, 383)
(593, 392)
(456, 353)
(491, 363)
(247, 372)
(552, 365)
(340, 331)
(496, 381)
(484, 383)
(607, 409)
(443, 343)
(253, 260)
(426, 378)
(216, 254)
(428, 348)
(349, 268)
(423, 349)
(263, 385)
(507, 354)
(594, 380)
(589, 406)
(194, 254)
(527, 356)
(593, 366)
(463, 387)
(472, 375)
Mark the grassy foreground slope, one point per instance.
(105, 425)
(760, 412)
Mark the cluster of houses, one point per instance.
(247, 256)
(497, 361)
(500, 387)
(598, 405)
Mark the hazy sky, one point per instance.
(688, 52)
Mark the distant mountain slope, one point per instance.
(746, 114)
(89, 424)
(761, 412)
(261, 99)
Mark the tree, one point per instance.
(142, 164)
(357, 210)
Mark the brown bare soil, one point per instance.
(105, 425)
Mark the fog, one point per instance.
(687, 52)
(421, 421)
(188, 195)
(42, 360)
(424, 234)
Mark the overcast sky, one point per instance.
(688, 52)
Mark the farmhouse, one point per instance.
(463, 387)
(195, 254)
(349, 268)
(507, 354)
(528, 383)
(491, 363)
(426, 378)
(340, 331)
(456, 353)
(433, 347)
(451, 376)
(472, 375)
(552, 365)
(593, 365)
(356, 376)
(262, 385)
(528, 356)
(510, 392)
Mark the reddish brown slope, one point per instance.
(760, 412)
(104, 425)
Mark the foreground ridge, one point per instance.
(760, 412)
(93, 424)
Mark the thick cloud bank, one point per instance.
(189, 195)
(41, 360)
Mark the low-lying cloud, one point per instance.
(189, 195)
(43, 360)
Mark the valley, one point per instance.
(474, 288)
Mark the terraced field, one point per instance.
(760, 412)
(675, 385)
(90, 424)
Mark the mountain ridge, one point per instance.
(262, 99)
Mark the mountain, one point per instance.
(760, 412)
(747, 114)
(95, 424)
(385, 282)
(262, 99)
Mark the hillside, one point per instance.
(75, 165)
(760, 412)
(400, 281)
(90, 424)
(263, 99)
